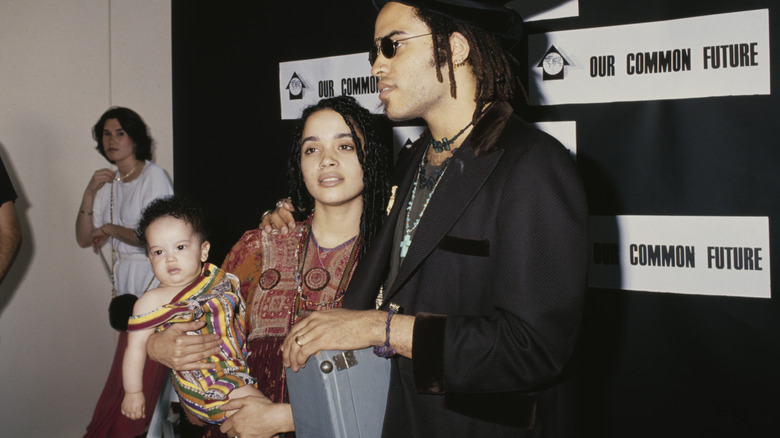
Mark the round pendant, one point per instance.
(316, 279)
(269, 279)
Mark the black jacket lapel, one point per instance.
(472, 164)
(464, 177)
(371, 271)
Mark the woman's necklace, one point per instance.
(326, 251)
(122, 178)
(302, 300)
(432, 183)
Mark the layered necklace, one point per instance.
(429, 182)
(425, 182)
(317, 277)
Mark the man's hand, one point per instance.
(179, 351)
(280, 219)
(336, 329)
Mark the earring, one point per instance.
(459, 63)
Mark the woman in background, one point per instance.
(110, 209)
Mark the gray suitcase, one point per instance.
(340, 394)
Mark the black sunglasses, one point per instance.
(387, 45)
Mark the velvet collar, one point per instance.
(488, 129)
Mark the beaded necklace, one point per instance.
(446, 144)
(431, 183)
(302, 301)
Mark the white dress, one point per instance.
(132, 271)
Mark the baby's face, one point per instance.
(175, 251)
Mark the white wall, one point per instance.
(62, 63)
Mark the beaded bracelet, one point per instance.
(385, 350)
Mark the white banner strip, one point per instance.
(727, 256)
(715, 55)
(304, 83)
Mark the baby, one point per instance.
(173, 232)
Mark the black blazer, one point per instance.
(495, 275)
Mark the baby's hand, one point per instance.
(133, 406)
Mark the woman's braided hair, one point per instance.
(374, 157)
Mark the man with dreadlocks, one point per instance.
(483, 257)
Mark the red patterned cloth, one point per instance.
(266, 266)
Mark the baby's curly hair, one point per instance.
(174, 206)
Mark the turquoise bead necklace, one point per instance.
(434, 182)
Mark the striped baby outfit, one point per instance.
(214, 298)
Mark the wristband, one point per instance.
(385, 350)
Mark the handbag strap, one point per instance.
(113, 251)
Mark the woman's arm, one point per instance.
(84, 225)
(125, 234)
(257, 417)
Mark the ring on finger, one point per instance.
(298, 341)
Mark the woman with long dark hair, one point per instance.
(338, 176)
(339, 179)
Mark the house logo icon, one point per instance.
(553, 65)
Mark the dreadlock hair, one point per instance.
(494, 67)
(177, 207)
(374, 158)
